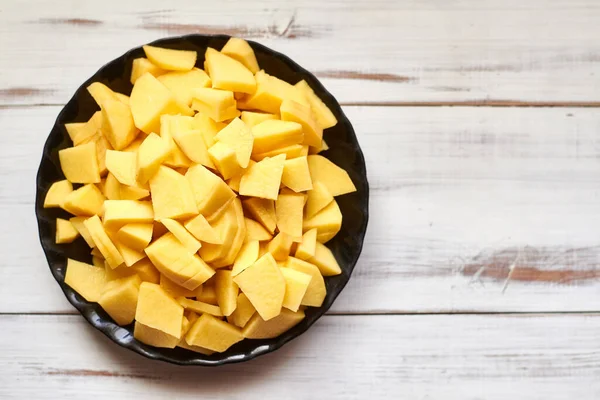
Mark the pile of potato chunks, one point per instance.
(203, 198)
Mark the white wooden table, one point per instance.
(480, 277)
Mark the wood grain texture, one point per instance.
(393, 52)
(399, 357)
(472, 210)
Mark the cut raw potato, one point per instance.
(85, 279)
(173, 60)
(57, 193)
(241, 51)
(206, 228)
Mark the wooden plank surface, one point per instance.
(400, 52)
(472, 210)
(341, 357)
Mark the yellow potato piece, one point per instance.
(226, 226)
(318, 198)
(243, 312)
(328, 222)
(274, 134)
(208, 295)
(149, 100)
(181, 84)
(201, 229)
(230, 252)
(176, 291)
(130, 256)
(264, 285)
(121, 212)
(82, 132)
(316, 291)
(296, 174)
(238, 136)
(333, 177)
(306, 248)
(247, 256)
(317, 150)
(207, 127)
(225, 159)
(122, 165)
(200, 307)
(263, 211)
(120, 302)
(117, 124)
(323, 115)
(157, 310)
(172, 195)
(85, 234)
(169, 59)
(288, 211)
(213, 334)
(194, 147)
(296, 112)
(151, 154)
(102, 145)
(120, 272)
(57, 193)
(258, 328)
(220, 105)
(291, 151)
(325, 261)
(175, 261)
(252, 118)
(270, 93)
(101, 93)
(212, 195)
(241, 51)
(132, 192)
(80, 164)
(186, 238)
(296, 284)
(65, 231)
(227, 73)
(255, 231)
(146, 271)
(154, 337)
(85, 279)
(87, 200)
(263, 178)
(123, 98)
(280, 246)
(142, 65)
(227, 292)
(112, 187)
(103, 242)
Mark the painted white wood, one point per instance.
(400, 357)
(459, 196)
(503, 51)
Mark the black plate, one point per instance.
(344, 151)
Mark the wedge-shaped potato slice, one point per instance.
(291, 151)
(176, 291)
(103, 242)
(296, 175)
(151, 154)
(264, 285)
(323, 115)
(168, 125)
(247, 256)
(230, 253)
(101, 93)
(130, 256)
(270, 93)
(172, 195)
(224, 158)
(122, 271)
(280, 246)
(333, 177)
(136, 235)
(154, 337)
(121, 212)
(296, 284)
(175, 261)
(227, 292)
(149, 100)
(57, 193)
(293, 111)
(85, 279)
(256, 232)
(181, 84)
(117, 124)
(202, 230)
(306, 248)
(274, 134)
(220, 105)
(85, 234)
(65, 231)
(252, 118)
(142, 65)
(169, 59)
(258, 328)
(156, 309)
(192, 144)
(211, 194)
(263, 211)
(87, 200)
(328, 222)
(238, 136)
(325, 261)
(211, 333)
(288, 211)
(209, 294)
(263, 178)
(186, 238)
(80, 164)
(316, 291)
(146, 271)
(112, 187)
(318, 198)
(243, 312)
(200, 307)
(82, 132)
(120, 299)
(226, 226)
(241, 51)
(227, 73)
(122, 165)
(208, 128)
(102, 145)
